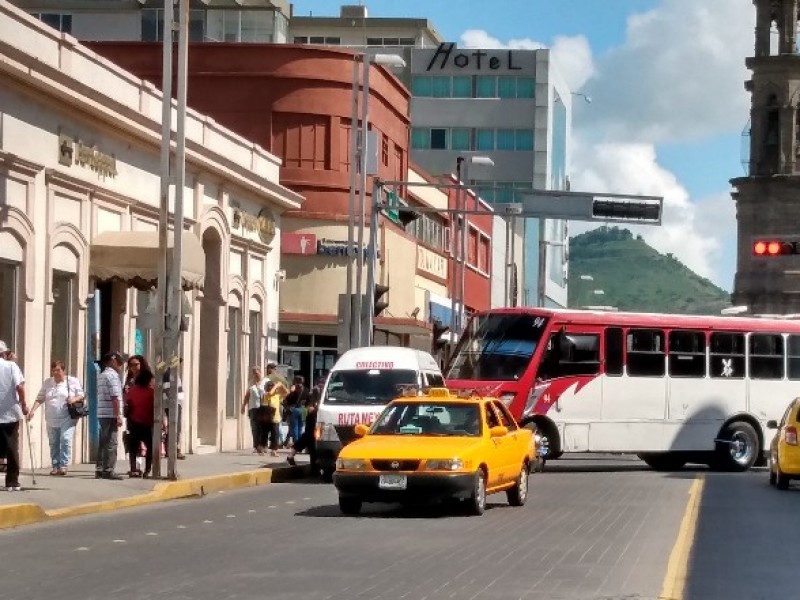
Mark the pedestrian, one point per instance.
(12, 408)
(274, 394)
(260, 421)
(109, 415)
(57, 392)
(139, 406)
(308, 439)
(295, 401)
(274, 376)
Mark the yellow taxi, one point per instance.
(435, 446)
(784, 451)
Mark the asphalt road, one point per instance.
(592, 529)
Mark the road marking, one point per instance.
(151, 533)
(120, 541)
(81, 549)
(272, 506)
(290, 502)
(181, 527)
(231, 516)
(251, 510)
(207, 521)
(674, 583)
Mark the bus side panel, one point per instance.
(697, 409)
(632, 415)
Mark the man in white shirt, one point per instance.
(12, 408)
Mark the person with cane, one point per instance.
(12, 409)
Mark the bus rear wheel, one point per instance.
(663, 461)
(737, 447)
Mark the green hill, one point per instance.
(636, 277)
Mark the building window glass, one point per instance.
(59, 22)
(523, 139)
(420, 138)
(60, 341)
(525, 87)
(460, 139)
(485, 86)
(234, 361)
(462, 87)
(9, 274)
(421, 86)
(505, 139)
(374, 41)
(507, 87)
(300, 39)
(483, 254)
(484, 139)
(440, 87)
(438, 139)
(153, 25)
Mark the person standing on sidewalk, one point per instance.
(295, 401)
(12, 408)
(109, 415)
(251, 405)
(307, 440)
(275, 392)
(57, 393)
(139, 407)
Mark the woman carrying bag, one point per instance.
(62, 396)
(139, 407)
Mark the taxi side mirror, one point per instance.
(361, 430)
(772, 424)
(498, 431)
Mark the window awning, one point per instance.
(132, 257)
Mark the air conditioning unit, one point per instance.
(353, 11)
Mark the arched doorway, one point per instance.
(208, 392)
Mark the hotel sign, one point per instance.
(72, 151)
(431, 263)
(263, 223)
(475, 59)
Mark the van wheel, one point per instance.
(477, 501)
(349, 505)
(518, 494)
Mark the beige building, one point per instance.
(79, 163)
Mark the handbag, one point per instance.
(77, 410)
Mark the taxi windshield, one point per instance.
(372, 386)
(434, 418)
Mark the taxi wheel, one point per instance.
(477, 501)
(518, 494)
(773, 478)
(781, 480)
(349, 505)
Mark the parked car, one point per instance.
(435, 446)
(784, 451)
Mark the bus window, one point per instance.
(687, 354)
(727, 355)
(579, 354)
(613, 351)
(794, 356)
(766, 356)
(646, 352)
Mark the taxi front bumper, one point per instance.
(419, 486)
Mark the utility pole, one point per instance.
(351, 210)
(163, 226)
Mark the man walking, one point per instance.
(12, 408)
(109, 415)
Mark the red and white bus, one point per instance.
(671, 388)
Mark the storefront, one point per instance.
(79, 190)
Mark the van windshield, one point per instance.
(373, 386)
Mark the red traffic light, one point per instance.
(773, 248)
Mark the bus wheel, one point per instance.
(663, 461)
(737, 447)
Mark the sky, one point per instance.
(668, 105)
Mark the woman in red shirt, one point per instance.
(139, 401)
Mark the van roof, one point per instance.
(386, 357)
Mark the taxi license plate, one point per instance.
(392, 482)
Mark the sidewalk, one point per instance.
(79, 493)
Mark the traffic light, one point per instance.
(380, 304)
(406, 216)
(439, 329)
(773, 247)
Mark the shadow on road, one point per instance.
(436, 510)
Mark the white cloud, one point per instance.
(678, 77)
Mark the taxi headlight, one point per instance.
(446, 464)
(351, 464)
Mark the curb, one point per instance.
(16, 515)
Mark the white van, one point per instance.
(359, 385)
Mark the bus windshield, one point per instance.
(497, 347)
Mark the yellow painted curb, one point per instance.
(674, 583)
(16, 515)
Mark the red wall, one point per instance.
(294, 101)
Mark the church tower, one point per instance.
(768, 197)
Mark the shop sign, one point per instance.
(263, 223)
(72, 151)
(431, 263)
(307, 244)
(475, 59)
